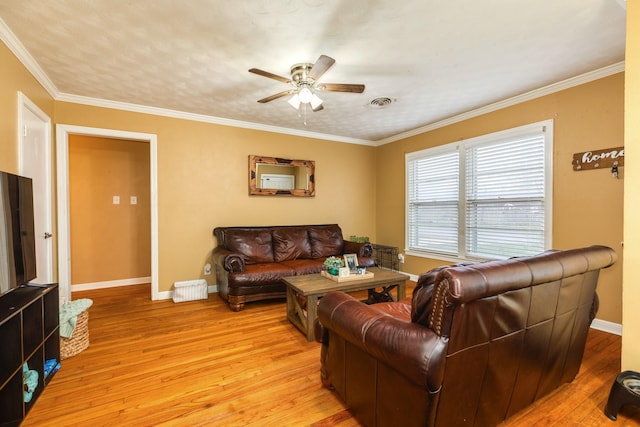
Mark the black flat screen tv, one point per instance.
(17, 238)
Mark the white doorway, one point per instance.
(34, 148)
(62, 157)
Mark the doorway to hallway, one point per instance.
(63, 134)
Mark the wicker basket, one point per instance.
(79, 340)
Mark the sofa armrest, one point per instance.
(413, 350)
(229, 261)
(360, 248)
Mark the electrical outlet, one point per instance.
(207, 269)
(401, 258)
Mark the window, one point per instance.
(484, 198)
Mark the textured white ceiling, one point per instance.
(436, 59)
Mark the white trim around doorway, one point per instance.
(62, 156)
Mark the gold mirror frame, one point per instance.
(304, 168)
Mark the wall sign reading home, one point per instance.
(598, 159)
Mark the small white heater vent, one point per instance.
(190, 290)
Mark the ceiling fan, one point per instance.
(304, 84)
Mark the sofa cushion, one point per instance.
(257, 277)
(290, 243)
(326, 240)
(304, 266)
(254, 245)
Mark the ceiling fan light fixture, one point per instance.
(305, 95)
(315, 101)
(294, 101)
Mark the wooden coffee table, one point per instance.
(303, 293)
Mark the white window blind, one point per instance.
(485, 198)
(433, 199)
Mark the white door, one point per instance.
(34, 130)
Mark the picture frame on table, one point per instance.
(351, 261)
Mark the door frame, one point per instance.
(62, 157)
(24, 103)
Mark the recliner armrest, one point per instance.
(415, 351)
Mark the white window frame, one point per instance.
(545, 126)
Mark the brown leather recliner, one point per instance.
(477, 344)
(250, 262)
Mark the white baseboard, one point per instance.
(109, 284)
(605, 326)
(164, 295)
(412, 277)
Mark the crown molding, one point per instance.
(518, 99)
(23, 55)
(136, 108)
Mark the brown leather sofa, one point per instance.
(476, 344)
(251, 261)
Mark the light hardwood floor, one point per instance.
(156, 363)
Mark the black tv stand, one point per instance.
(29, 333)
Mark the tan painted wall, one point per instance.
(631, 292)
(109, 241)
(203, 183)
(13, 78)
(587, 205)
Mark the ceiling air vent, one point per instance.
(381, 102)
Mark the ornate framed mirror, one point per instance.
(273, 176)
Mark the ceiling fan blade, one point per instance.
(341, 87)
(270, 75)
(318, 108)
(321, 66)
(276, 96)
